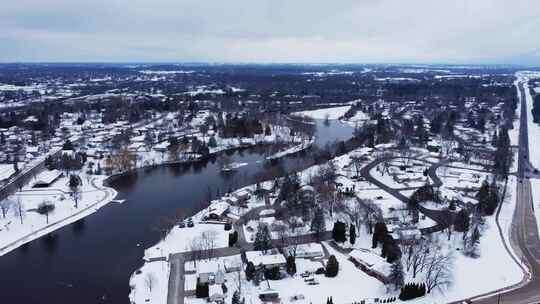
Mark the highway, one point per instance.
(524, 230)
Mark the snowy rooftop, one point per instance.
(47, 177)
(307, 250)
(371, 260)
(258, 258)
(6, 171)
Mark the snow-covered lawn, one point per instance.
(13, 233)
(331, 113)
(150, 283)
(351, 284)
(470, 274)
(180, 239)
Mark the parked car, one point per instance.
(297, 297)
(305, 274)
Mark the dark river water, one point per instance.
(91, 261)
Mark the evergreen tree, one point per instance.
(235, 298)
(318, 224)
(291, 265)
(488, 198)
(461, 223)
(378, 235)
(352, 234)
(263, 239)
(212, 143)
(233, 238)
(67, 145)
(332, 267)
(338, 232)
(250, 271)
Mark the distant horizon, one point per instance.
(180, 63)
(460, 32)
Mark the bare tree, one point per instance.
(150, 281)
(5, 205)
(416, 255)
(327, 196)
(447, 147)
(195, 250)
(357, 162)
(18, 209)
(356, 212)
(208, 242)
(438, 270)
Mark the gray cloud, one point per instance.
(271, 30)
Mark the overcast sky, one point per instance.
(356, 31)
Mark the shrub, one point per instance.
(332, 267)
(411, 291)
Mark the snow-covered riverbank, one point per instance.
(23, 223)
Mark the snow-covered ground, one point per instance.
(534, 147)
(181, 239)
(16, 230)
(514, 133)
(331, 113)
(294, 149)
(470, 274)
(358, 119)
(150, 282)
(344, 288)
(534, 131)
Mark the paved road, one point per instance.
(439, 216)
(524, 230)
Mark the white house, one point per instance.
(269, 260)
(46, 178)
(306, 251)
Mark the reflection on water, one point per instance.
(78, 227)
(50, 242)
(98, 255)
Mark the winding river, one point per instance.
(91, 261)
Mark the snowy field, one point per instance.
(534, 131)
(514, 133)
(331, 113)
